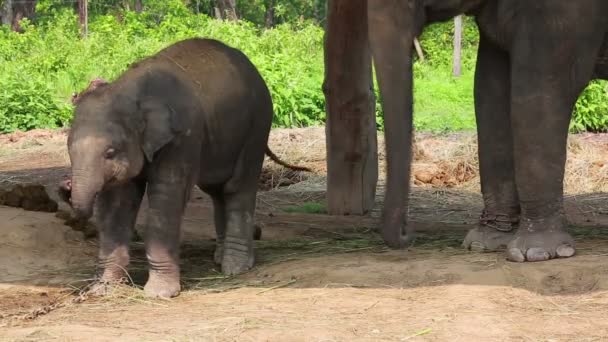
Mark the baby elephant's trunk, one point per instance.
(84, 189)
(65, 191)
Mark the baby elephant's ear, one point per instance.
(162, 125)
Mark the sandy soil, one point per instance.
(319, 278)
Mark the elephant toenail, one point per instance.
(537, 254)
(514, 254)
(565, 251)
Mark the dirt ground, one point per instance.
(318, 278)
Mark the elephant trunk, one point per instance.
(86, 184)
(391, 34)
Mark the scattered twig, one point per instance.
(277, 286)
(420, 333)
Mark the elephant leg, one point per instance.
(238, 253)
(167, 198)
(552, 61)
(391, 26)
(219, 218)
(492, 108)
(239, 204)
(117, 212)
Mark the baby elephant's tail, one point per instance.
(282, 163)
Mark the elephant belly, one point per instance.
(216, 167)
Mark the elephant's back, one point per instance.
(222, 76)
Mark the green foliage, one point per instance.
(443, 102)
(591, 110)
(308, 208)
(58, 62)
(42, 67)
(27, 104)
(437, 42)
(284, 11)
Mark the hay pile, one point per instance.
(440, 161)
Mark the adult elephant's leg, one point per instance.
(117, 212)
(552, 61)
(495, 141)
(391, 35)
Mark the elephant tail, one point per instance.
(276, 159)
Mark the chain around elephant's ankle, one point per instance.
(500, 222)
(106, 279)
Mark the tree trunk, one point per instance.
(269, 16)
(226, 9)
(22, 9)
(352, 155)
(83, 16)
(7, 12)
(138, 6)
(457, 45)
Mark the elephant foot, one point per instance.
(218, 255)
(162, 285)
(111, 272)
(396, 233)
(494, 232)
(105, 287)
(540, 240)
(487, 239)
(237, 257)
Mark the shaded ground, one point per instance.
(319, 278)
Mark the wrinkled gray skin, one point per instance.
(197, 113)
(535, 57)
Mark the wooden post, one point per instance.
(457, 45)
(418, 49)
(352, 155)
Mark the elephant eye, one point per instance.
(110, 153)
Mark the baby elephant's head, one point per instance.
(112, 135)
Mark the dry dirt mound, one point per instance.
(38, 248)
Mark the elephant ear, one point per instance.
(162, 125)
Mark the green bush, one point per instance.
(27, 104)
(591, 110)
(55, 61)
(41, 68)
(443, 102)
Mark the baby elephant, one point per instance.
(196, 113)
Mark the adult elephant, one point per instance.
(534, 59)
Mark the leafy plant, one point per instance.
(40, 68)
(308, 208)
(591, 110)
(27, 104)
